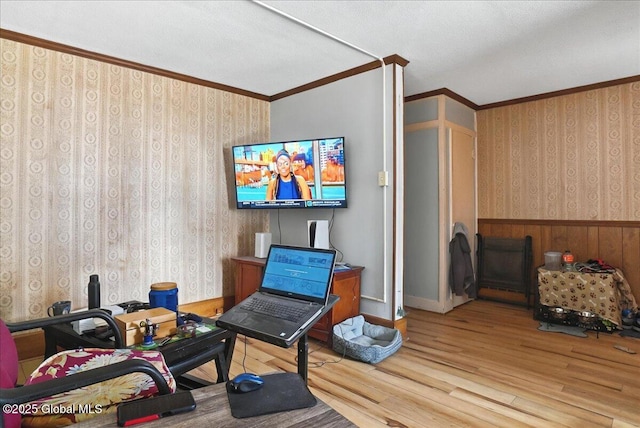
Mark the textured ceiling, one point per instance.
(485, 51)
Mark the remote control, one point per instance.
(192, 317)
(148, 409)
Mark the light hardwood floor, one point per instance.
(484, 364)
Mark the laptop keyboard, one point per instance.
(275, 309)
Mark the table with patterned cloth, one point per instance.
(604, 294)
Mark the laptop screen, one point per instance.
(299, 272)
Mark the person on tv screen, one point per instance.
(286, 185)
(301, 167)
(333, 172)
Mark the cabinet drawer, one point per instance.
(248, 279)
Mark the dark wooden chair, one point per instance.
(505, 264)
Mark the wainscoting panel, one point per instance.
(616, 242)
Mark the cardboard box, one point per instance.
(133, 333)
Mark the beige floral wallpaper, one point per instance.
(111, 171)
(572, 157)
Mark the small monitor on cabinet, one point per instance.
(291, 174)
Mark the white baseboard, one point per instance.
(424, 304)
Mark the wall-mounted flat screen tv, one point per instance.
(291, 174)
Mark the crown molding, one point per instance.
(442, 91)
(392, 59)
(569, 91)
(470, 104)
(59, 47)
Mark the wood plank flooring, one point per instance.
(484, 364)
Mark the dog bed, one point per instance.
(360, 340)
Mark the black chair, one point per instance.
(11, 394)
(180, 356)
(505, 264)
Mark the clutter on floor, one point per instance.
(566, 329)
(624, 349)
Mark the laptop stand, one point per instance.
(301, 338)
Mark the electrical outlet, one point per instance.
(383, 178)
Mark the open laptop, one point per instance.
(294, 290)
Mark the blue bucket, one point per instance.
(164, 295)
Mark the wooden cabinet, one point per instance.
(248, 276)
(346, 285)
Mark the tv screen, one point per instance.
(291, 174)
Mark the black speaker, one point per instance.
(312, 233)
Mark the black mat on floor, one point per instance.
(281, 392)
(630, 333)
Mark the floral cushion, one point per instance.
(100, 398)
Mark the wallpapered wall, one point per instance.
(572, 157)
(120, 173)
